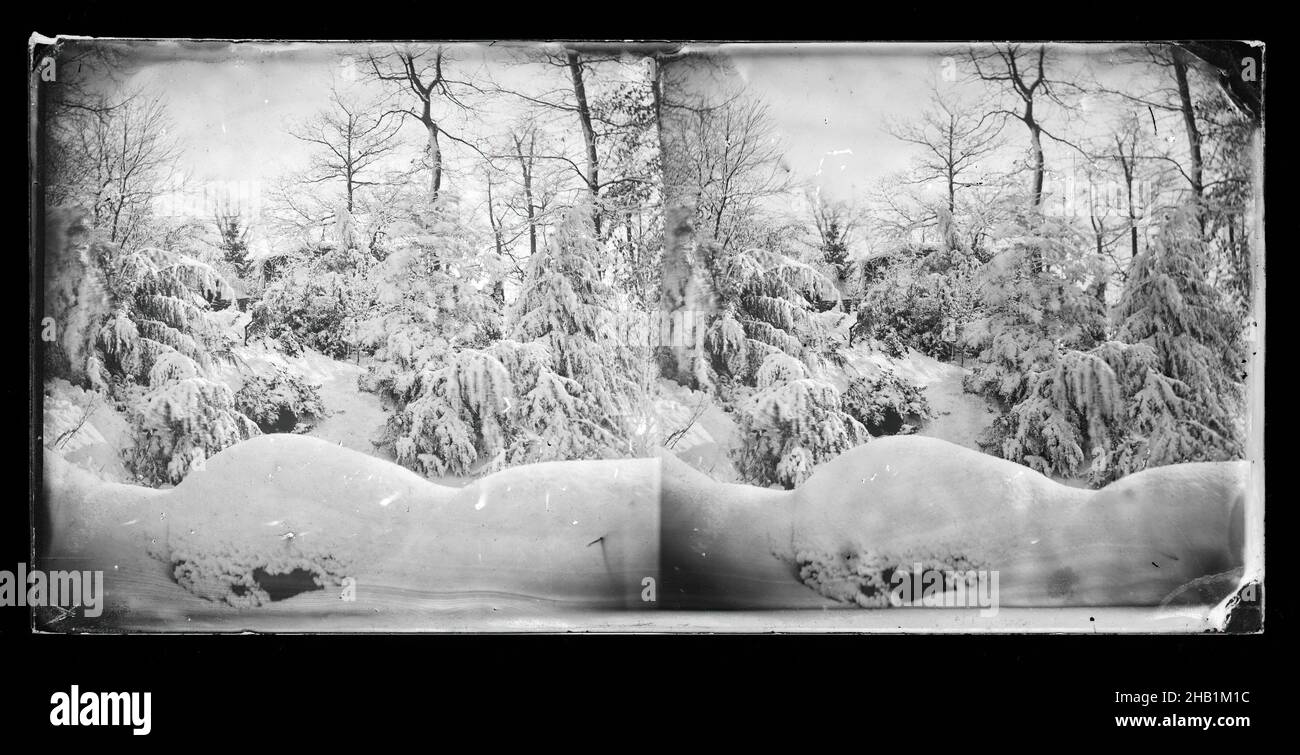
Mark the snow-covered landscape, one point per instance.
(560, 337)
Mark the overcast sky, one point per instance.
(232, 103)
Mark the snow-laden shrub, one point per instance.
(281, 402)
(887, 404)
(149, 344)
(565, 384)
(765, 308)
(920, 300)
(312, 300)
(180, 424)
(789, 427)
(1166, 392)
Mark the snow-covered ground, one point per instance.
(707, 434)
(548, 539)
(86, 430)
(355, 416)
(692, 423)
(90, 432)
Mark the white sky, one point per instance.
(232, 103)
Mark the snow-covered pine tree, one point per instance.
(765, 308)
(154, 355)
(563, 385)
(428, 324)
(579, 379)
(1036, 310)
(793, 423)
(1032, 315)
(1166, 392)
(1196, 333)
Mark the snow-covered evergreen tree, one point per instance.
(564, 384)
(793, 423)
(1166, 390)
(579, 382)
(1196, 334)
(154, 352)
(1036, 309)
(765, 308)
(1035, 306)
(427, 324)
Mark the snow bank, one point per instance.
(282, 508)
(277, 504)
(904, 500)
(727, 546)
(83, 427)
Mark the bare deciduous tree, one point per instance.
(421, 74)
(954, 142)
(351, 136)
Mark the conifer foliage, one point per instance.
(561, 385)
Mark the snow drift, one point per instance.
(284, 514)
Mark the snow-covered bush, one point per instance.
(887, 404)
(765, 308)
(1167, 391)
(921, 300)
(563, 385)
(312, 300)
(149, 344)
(281, 402)
(181, 423)
(789, 427)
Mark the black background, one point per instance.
(655, 692)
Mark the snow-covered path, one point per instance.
(959, 417)
(356, 416)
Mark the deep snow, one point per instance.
(587, 534)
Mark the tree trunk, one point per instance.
(526, 168)
(588, 136)
(435, 160)
(1040, 167)
(1189, 123)
(433, 151)
(684, 305)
